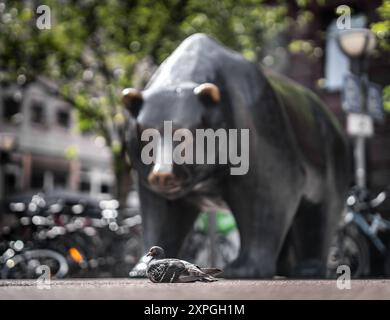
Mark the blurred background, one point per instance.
(66, 186)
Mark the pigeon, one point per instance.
(176, 270)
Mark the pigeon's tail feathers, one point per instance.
(211, 271)
(209, 279)
(193, 278)
(189, 278)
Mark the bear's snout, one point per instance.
(162, 180)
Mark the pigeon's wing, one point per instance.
(165, 270)
(209, 271)
(194, 273)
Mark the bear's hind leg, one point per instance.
(311, 233)
(263, 224)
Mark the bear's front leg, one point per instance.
(165, 223)
(252, 266)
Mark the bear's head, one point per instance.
(167, 125)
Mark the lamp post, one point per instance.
(357, 44)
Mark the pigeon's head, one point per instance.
(156, 252)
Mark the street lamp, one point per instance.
(357, 44)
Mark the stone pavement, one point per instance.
(224, 289)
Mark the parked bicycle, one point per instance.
(362, 240)
(79, 235)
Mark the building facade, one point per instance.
(41, 148)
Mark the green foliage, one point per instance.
(382, 27)
(382, 30)
(71, 152)
(386, 98)
(93, 46)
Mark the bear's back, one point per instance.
(198, 59)
(310, 119)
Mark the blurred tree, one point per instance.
(93, 48)
(382, 30)
(382, 27)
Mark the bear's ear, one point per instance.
(208, 90)
(132, 100)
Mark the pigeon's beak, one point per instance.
(149, 254)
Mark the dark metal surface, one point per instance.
(290, 200)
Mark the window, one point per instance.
(85, 186)
(11, 109)
(37, 115)
(60, 180)
(37, 179)
(10, 183)
(63, 118)
(105, 188)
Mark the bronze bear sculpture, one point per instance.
(287, 205)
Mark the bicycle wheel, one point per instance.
(386, 266)
(350, 248)
(26, 264)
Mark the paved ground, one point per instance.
(223, 289)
